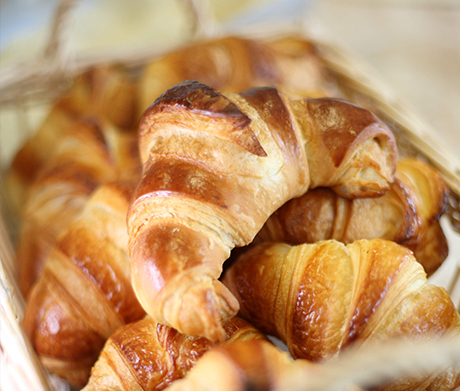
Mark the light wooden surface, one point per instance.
(414, 45)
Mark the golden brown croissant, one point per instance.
(104, 92)
(321, 298)
(234, 64)
(148, 356)
(407, 214)
(91, 153)
(33, 154)
(84, 293)
(216, 167)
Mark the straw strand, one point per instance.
(378, 365)
(202, 21)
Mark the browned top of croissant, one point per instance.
(329, 129)
(216, 166)
(149, 356)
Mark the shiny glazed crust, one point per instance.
(216, 167)
(324, 297)
(148, 356)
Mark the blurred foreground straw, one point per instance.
(376, 365)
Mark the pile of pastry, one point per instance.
(174, 216)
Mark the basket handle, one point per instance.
(56, 49)
(203, 23)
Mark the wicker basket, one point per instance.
(43, 81)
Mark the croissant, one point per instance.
(407, 214)
(91, 153)
(322, 298)
(84, 292)
(32, 156)
(216, 167)
(234, 64)
(148, 356)
(104, 92)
